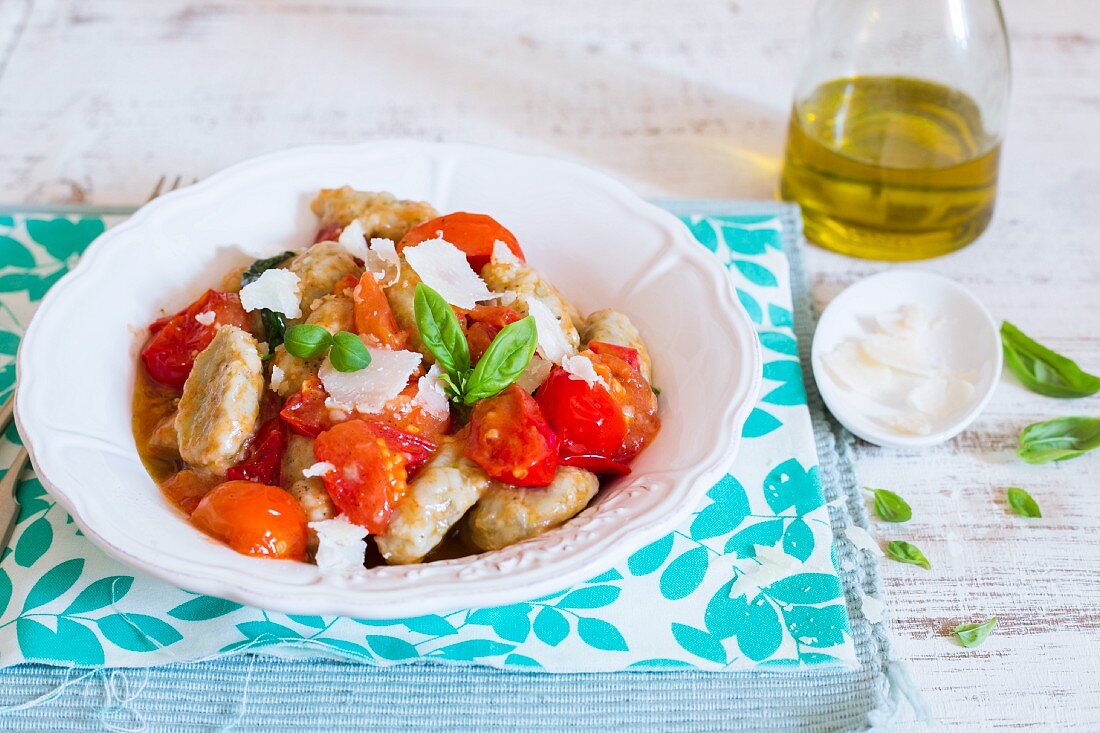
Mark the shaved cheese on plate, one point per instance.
(503, 254)
(431, 395)
(341, 549)
(206, 318)
(318, 469)
(354, 240)
(553, 345)
(581, 368)
(275, 289)
(538, 369)
(368, 390)
(443, 268)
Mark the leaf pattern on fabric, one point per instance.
(665, 607)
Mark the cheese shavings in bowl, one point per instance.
(503, 254)
(341, 547)
(553, 345)
(277, 290)
(354, 240)
(443, 267)
(581, 368)
(319, 469)
(369, 389)
(206, 318)
(431, 395)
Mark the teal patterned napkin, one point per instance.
(749, 582)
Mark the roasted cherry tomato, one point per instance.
(369, 476)
(263, 460)
(254, 519)
(635, 398)
(585, 418)
(474, 234)
(330, 233)
(482, 324)
(170, 351)
(597, 464)
(305, 412)
(417, 449)
(510, 438)
(626, 353)
(405, 414)
(373, 316)
(187, 488)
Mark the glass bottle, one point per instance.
(896, 129)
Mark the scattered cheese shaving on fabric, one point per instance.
(369, 389)
(443, 267)
(580, 368)
(354, 240)
(774, 566)
(206, 318)
(341, 549)
(862, 540)
(538, 369)
(275, 289)
(277, 378)
(873, 609)
(503, 254)
(318, 469)
(553, 345)
(431, 395)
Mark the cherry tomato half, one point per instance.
(254, 519)
(510, 438)
(305, 412)
(597, 464)
(369, 476)
(404, 413)
(374, 317)
(170, 352)
(585, 418)
(263, 461)
(626, 353)
(474, 234)
(187, 488)
(635, 398)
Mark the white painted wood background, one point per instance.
(100, 98)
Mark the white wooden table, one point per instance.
(98, 99)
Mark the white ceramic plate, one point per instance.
(967, 341)
(601, 244)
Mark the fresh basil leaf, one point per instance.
(1042, 370)
(904, 552)
(1059, 439)
(441, 334)
(972, 635)
(891, 507)
(274, 327)
(259, 267)
(1022, 503)
(307, 340)
(504, 361)
(348, 352)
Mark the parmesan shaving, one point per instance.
(368, 390)
(503, 254)
(318, 469)
(773, 565)
(581, 368)
(206, 318)
(384, 260)
(873, 609)
(341, 549)
(354, 240)
(862, 540)
(538, 369)
(431, 395)
(553, 345)
(443, 267)
(275, 289)
(277, 377)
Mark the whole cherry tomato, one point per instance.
(510, 438)
(170, 352)
(585, 418)
(254, 519)
(369, 476)
(263, 461)
(474, 234)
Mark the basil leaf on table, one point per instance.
(441, 334)
(891, 507)
(348, 353)
(1022, 503)
(1042, 370)
(1059, 439)
(904, 552)
(307, 340)
(259, 267)
(504, 361)
(972, 635)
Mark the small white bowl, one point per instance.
(967, 339)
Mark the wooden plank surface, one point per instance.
(98, 99)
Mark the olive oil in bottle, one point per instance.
(890, 167)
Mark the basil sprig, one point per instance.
(1042, 370)
(972, 635)
(498, 368)
(274, 322)
(1059, 439)
(1022, 503)
(891, 507)
(348, 352)
(904, 552)
(307, 340)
